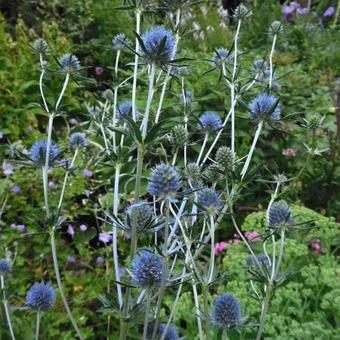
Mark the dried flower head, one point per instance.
(242, 12)
(225, 158)
(179, 135)
(120, 41)
(40, 46)
(139, 215)
(40, 297)
(276, 28)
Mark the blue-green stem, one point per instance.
(135, 72)
(37, 327)
(212, 248)
(147, 312)
(60, 286)
(149, 100)
(5, 303)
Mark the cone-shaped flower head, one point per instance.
(5, 267)
(120, 41)
(171, 332)
(264, 107)
(226, 312)
(164, 181)
(38, 151)
(209, 200)
(148, 269)
(221, 56)
(139, 215)
(40, 297)
(124, 110)
(261, 258)
(159, 45)
(210, 122)
(279, 214)
(78, 140)
(69, 63)
(40, 46)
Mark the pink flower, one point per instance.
(98, 71)
(315, 246)
(220, 247)
(289, 152)
(52, 185)
(251, 235)
(105, 237)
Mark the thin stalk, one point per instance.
(336, 17)
(251, 151)
(114, 118)
(67, 78)
(279, 260)
(139, 169)
(61, 198)
(107, 149)
(45, 188)
(232, 87)
(60, 286)
(263, 313)
(37, 327)
(41, 85)
(271, 61)
(212, 249)
(135, 72)
(5, 303)
(198, 318)
(206, 137)
(161, 99)
(149, 100)
(147, 312)
(205, 291)
(117, 62)
(114, 235)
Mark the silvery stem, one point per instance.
(251, 151)
(135, 72)
(212, 245)
(60, 286)
(41, 83)
(161, 99)
(147, 311)
(4, 301)
(37, 327)
(114, 235)
(149, 100)
(271, 61)
(206, 136)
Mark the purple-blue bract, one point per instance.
(40, 297)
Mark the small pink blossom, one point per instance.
(289, 152)
(220, 247)
(98, 71)
(251, 235)
(52, 185)
(315, 246)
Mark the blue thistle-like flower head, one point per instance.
(120, 41)
(40, 297)
(208, 199)
(171, 332)
(148, 269)
(139, 215)
(279, 214)
(210, 122)
(226, 312)
(159, 45)
(221, 56)
(124, 110)
(261, 258)
(164, 181)
(5, 267)
(264, 107)
(69, 63)
(38, 151)
(78, 140)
